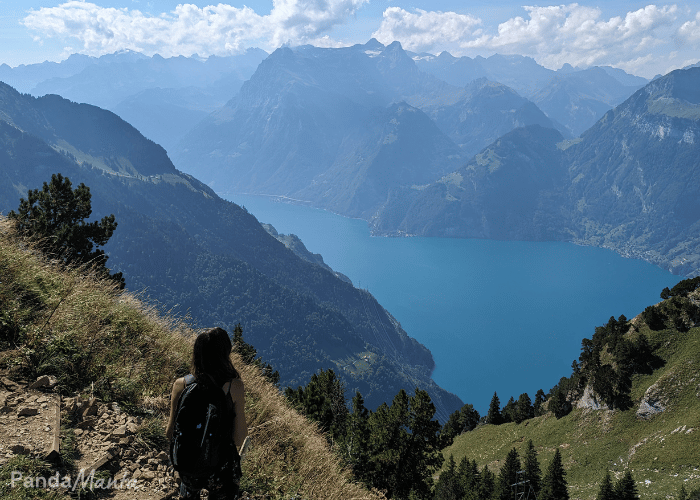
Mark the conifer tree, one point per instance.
(509, 411)
(607, 490)
(524, 409)
(508, 475)
(404, 446)
(540, 398)
(626, 489)
(554, 485)
(487, 483)
(323, 401)
(468, 475)
(354, 444)
(448, 486)
(494, 415)
(56, 215)
(682, 493)
(533, 473)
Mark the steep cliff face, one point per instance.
(634, 175)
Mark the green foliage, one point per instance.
(463, 420)
(494, 416)
(395, 449)
(323, 401)
(449, 486)
(524, 409)
(509, 411)
(554, 485)
(151, 434)
(250, 355)
(56, 217)
(626, 489)
(607, 490)
(540, 398)
(508, 475)
(404, 445)
(29, 468)
(532, 470)
(558, 403)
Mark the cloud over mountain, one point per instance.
(553, 35)
(186, 30)
(649, 40)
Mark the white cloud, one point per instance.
(552, 35)
(424, 31)
(188, 29)
(690, 30)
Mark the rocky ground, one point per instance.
(106, 440)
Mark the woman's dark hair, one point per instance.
(211, 357)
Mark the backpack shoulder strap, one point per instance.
(189, 379)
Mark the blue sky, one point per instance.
(640, 37)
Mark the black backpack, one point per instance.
(202, 430)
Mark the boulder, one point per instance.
(590, 400)
(653, 403)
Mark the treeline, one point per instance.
(395, 449)
(516, 476)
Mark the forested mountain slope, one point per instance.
(188, 249)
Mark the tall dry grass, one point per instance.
(66, 321)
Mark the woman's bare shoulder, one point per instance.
(236, 387)
(179, 384)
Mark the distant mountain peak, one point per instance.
(374, 44)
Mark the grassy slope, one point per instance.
(64, 322)
(662, 452)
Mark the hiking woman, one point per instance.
(212, 368)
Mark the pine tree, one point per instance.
(423, 457)
(540, 398)
(509, 411)
(55, 216)
(448, 486)
(524, 410)
(354, 445)
(554, 483)
(494, 415)
(323, 401)
(682, 493)
(626, 489)
(508, 475)
(607, 490)
(468, 475)
(533, 473)
(404, 446)
(487, 483)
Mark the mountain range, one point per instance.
(190, 251)
(162, 97)
(628, 183)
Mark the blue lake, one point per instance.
(497, 316)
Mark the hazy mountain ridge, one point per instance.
(162, 97)
(307, 125)
(504, 192)
(574, 97)
(190, 249)
(629, 183)
(310, 115)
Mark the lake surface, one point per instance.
(498, 316)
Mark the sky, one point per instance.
(641, 38)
